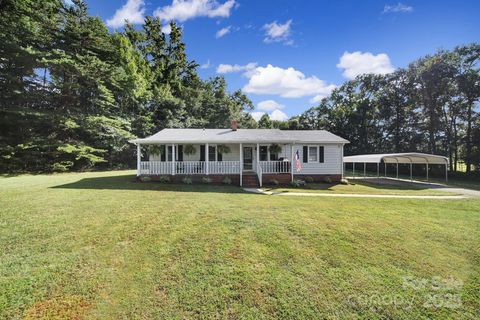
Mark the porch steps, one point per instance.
(250, 180)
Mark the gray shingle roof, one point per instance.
(240, 135)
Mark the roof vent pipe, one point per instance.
(234, 125)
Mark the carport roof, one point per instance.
(410, 157)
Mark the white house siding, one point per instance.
(332, 160)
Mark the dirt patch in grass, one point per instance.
(66, 307)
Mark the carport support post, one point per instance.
(385, 167)
(446, 172)
(354, 170)
(139, 158)
(397, 169)
(427, 171)
(411, 171)
(364, 169)
(378, 170)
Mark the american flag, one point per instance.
(298, 164)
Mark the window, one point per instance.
(313, 154)
(169, 153)
(263, 153)
(212, 153)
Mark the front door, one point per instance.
(247, 158)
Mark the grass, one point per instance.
(365, 187)
(100, 246)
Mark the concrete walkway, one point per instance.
(350, 195)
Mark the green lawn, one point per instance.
(101, 246)
(365, 187)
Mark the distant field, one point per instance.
(101, 246)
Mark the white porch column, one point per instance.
(206, 159)
(241, 165)
(139, 158)
(258, 156)
(173, 159)
(291, 160)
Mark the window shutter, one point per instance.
(163, 156)
(180, 152)
(219, 156)
(321, 151)
(202, 152)
(305, 154)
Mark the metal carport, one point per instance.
(398, 158)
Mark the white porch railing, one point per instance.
(155, 167)
(275, 166)
(223, 167)
(189, 167)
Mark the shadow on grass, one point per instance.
(129, 182)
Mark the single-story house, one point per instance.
(249, 157)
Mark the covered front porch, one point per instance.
(214, 159)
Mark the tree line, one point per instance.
(430, 106)
(73, 93)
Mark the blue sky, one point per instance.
(288, 54)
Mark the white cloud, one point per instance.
(277, 32)
(399, 7)
(220, 33)
(257, 115)
(287, 83)
(183, 10)
(317, 98)
(278, 115)
(269, 105)
(275, 115)
(167, 28)
(356, 63)
(133, 11)
(206, 65)
(229, 68)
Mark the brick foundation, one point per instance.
(197, 178)
(282, 178)
(319, 177)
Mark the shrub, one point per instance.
(309, 179)
(145, 179)
(297, 183)
(273, 182)
(187, 180)
(327, 180)
(164, 179)
(227, 180)
(206, 180)
(62, 166)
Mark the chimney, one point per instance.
(234, 125)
